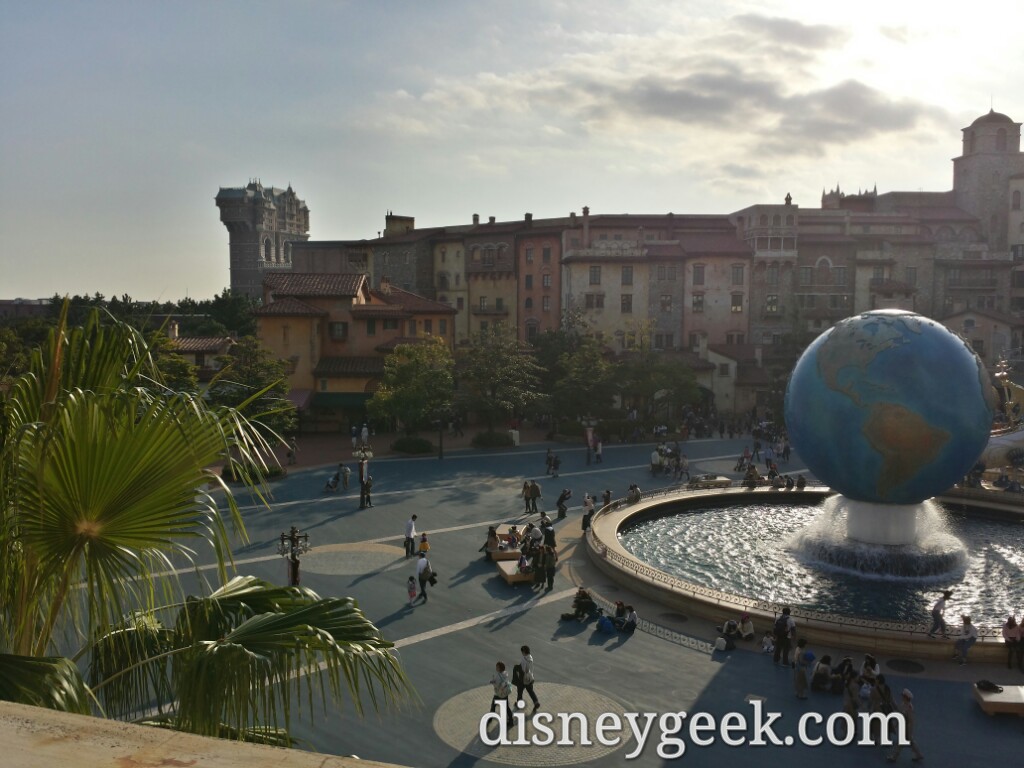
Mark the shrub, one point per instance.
(411, 444)
(492, 440)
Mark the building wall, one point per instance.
(296, 340)
(538, 283)
(450, 285)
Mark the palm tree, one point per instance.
(105, 481)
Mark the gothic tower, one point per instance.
(262, 223)
(981, 175)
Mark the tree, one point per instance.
(417, 385)
(497, 376)
(233, 311)
(586, 382)
(103, 478)
(251, 380)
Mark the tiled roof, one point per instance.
(340, 367)
(412, 302)
(289, 307)
(314, 284)
(194, 344)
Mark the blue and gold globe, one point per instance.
(889, 407)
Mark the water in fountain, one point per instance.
(880, 540)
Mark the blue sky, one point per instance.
(122, 119)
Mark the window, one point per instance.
(545, 281)
(839, 275)
(428, 326)
(1015, 204)
(460, 303)
(528, 304)
(499, 303)
(666, 302)
(489, 257)
(594, 301)
(545, 303)
(737, 302)
(878, 272)
(390, 324)
(723, 369)
(411, 328)
(698, 302)
(734, 338)
(979, 346)
(737, 274)
(772, 275)
(627, 275)
(529, 255)
(663, 341)
(694, 341)
(338, 331)
(698, 274)
(371, 327)
(661, 271)
(529, 282)
(442, 326)
(483, 302)
(771, 304)
(803, 276)
(457, 278)
(545, 255)
(595, 275)
(835, 301)
(627, 303)
(532, 332)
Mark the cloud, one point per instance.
(790, 32)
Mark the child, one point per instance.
(768, 642)
(424, 544)
(410, 587)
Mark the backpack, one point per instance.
(604, 624)
(504, 689)
(781, 628)
(517, 674)
(988, 686)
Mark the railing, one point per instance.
(734, 603)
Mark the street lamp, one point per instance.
(292, 545)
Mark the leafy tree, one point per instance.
(233, 311)
(179, 374)
(586, 382)
(417, 385)
(253, 381)
(497, 376)
(103, 480)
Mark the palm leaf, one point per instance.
(52, 682)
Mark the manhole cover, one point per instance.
(906, 666)
(678, 617)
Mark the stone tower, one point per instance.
(262, 223)
(981, 175)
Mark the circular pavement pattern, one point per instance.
(457, 723)
(356, 559)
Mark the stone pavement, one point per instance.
(450, 644)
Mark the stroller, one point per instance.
(332, 483)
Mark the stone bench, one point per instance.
(1010, 700)
(509, 571)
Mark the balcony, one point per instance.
(489, 311)
(890, 286)
(972, 283)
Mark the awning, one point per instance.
(300, 398)
(336, 400)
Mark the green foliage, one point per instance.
(411, 444)
(497, 376)
(492, 440)
(417, 385)
(254, 382)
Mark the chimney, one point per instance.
(172, 329)
(572, 218)
(476, 218)
(586, 226)
(490, 219)
(529, 219)
(385, 285)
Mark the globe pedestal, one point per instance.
(888, 524)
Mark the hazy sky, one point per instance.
(122, 119)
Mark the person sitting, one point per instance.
(821, 678)
(492, 544)
(620, 613)
(515, 537)
(778, 482)
(583, 605)
(869, 669)
(751, 478)
(730, 633)
(842, 671)
(801, 482)
(789, 483)
(633, 494)
(631, 620)
(746, 627)
(968, 637)
(523, 566)
(768, 642)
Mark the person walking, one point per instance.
(293, 448)
(369, 487)
(908, 719)
(784, 630)
(598, 453)
(549, 459)
(684, 467)
(526, 496)
(345, 473)
(550, 566)
(525, 677)
(1013, 637)
(363, 469)
(563, 497)
(423, 574)
(410, 588)
(535, 494)
(556, 463)
(424, 544)
(502, 689)
(803, 663)
(938, 618)
(410, 537)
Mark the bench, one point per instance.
(1010, 700)
(504, 554)
(509, 571)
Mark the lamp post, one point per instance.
(292, 545)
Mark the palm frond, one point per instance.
(52, 682)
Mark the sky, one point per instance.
(121, 120)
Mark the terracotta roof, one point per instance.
(289, 307)
(314, 284)
(341, 367)
(412, 302)
(193, 344)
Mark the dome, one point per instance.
(992, 117)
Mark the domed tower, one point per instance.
(261, 223)
(981, 175)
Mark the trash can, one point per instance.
(514, 434)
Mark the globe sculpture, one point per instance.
(889, 408)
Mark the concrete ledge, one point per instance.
(32, 737)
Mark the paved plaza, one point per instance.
(450, 644)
